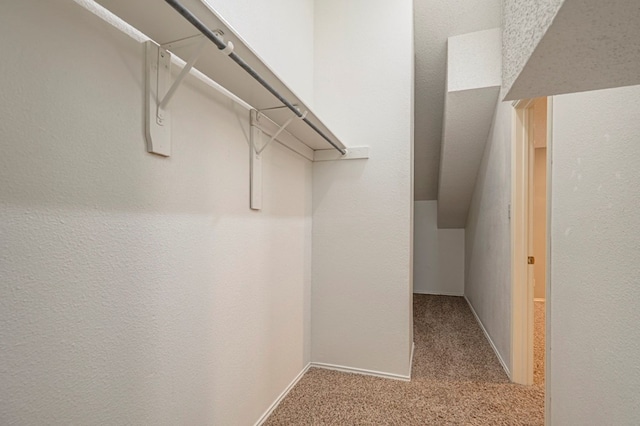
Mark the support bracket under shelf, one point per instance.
(158, 121)
(160, 91)
(255, 166)
(262, 127)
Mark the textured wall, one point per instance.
(281, 32)
(488, 236)
(362, 209)
(524, 23)
(474, 60)
(438, 254)
(435, 21)
(595, 247)
(137, 289)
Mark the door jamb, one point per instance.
(521, 295)
(548, 293)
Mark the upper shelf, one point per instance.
(161, 23)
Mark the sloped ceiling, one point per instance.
(435, 21)
(587, 45)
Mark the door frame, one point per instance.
(521, 295)
(522, 305)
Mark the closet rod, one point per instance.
(238, 60)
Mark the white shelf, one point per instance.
(164, 25)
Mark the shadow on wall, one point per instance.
(488, 235)
(84, 160)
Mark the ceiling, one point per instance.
(588, 45)
(435, 21)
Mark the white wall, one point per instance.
(594, 377)
(438, 254)
(435, 21)
(361, 298)
(474, 60)
(137, 289)
(488, 236)
(473, 85)
(281, 32)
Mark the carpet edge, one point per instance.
(486, 334)
(282, 396)
(361, 371)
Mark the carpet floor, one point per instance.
(538, 343)
(456, 380)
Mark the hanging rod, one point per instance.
(238, 60)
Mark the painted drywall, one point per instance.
(281, 32)
(138, 289)
(525, 22)
(488, 236)
(540, 221)
(473, 86)
(362, 234)
(594, 377)
(589, 44)
(451, 256)
(438, 254)
(435, 21)
(474, 60)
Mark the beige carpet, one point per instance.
(538, 343)
(456, 380)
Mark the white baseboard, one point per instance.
(363, 371)
(413, 349)
(539, 299)
(341, 368)
(284, 393)
(438, 293)
(493, 346)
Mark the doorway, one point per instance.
(538, 236)
(529, 211)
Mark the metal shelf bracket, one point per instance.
(260, 127)
(259, 151)
(257, 148)
(158, 117)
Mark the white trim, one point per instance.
(282, 396)
(523, 103)
(438, 294)
(521, 287)
(362, 371)
(413, 349)
(549, 289)
(539, 299)
(356, 153)
(486, 333)
(341, 368)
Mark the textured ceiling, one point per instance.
(525, 23)
(588, 45)
(435, 21)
